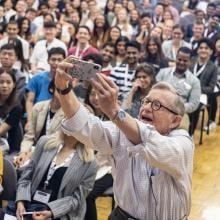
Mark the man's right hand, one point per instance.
(20, 210)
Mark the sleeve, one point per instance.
(171, 154)
(14, 116)
(211, 81)
(30, 135)
(67, 204)
(24, 182)
(32, 85)
(91, 131)
(194, 98)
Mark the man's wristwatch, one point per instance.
(66, 90)
(120, 116)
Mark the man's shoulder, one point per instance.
(40, 75)
(41, 105)
(189, 75)
(59, 42)
(121, 67)
(40, 43)
(166, 70)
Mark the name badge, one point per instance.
(42, 196)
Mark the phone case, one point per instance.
(84, 70)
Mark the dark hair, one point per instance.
(31, 10)
(20, 22)
(108, 44)
(211, 4)
(106, 9)
(198, 11)
(19, 51)
(198, 22)
(56, 50)
(215, 15)
(148, 69)
(121, 39)
(146, 14)
(48, 14)
(177, 26)
(105, 27)
(207, 41)
(43, 4)
(85, 27)
(95, 57)
(192, 4)
(50, 24)
(11, 101)
(12, 22)
(159, 55)
(133, 43)
(185, 50)
(9, 46)
(109, 37)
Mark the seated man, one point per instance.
(182, 79)
(153, 158)
(37, 87)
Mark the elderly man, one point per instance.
(152, 157)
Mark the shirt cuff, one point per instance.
(145, 130)
(75, 123)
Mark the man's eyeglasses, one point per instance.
(155, 105)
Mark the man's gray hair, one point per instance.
(178, 105)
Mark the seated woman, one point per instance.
(10, 113)
(153, 54)
(57, 180)
(144, 78)
(46, 119)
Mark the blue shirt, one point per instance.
(39, 84)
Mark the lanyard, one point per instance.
(54, 167)
(197, 73)
(83, 51)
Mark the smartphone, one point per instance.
(83, 70)
(27, 216)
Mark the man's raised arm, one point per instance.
(107, 97)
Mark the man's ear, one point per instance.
(177, 122)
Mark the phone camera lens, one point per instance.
(96, 67)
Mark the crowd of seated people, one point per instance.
(138, 43)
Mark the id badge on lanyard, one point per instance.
(42, 196)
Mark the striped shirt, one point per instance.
(152, 180)
(123, 78)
